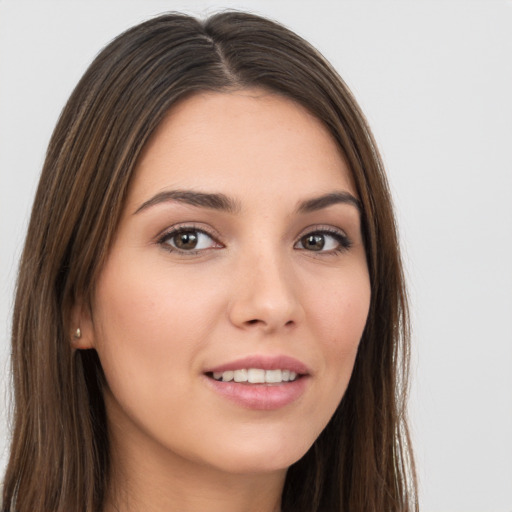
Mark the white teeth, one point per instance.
(256, 376)
(240, 376)
(228, 376)
(273, 376)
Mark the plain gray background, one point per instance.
(435, 80)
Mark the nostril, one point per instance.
(256, 321)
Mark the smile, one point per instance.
(260, 382)
(256, 376)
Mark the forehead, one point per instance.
(247, 140)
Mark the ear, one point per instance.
(82, 329)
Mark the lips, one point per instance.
(264, 363)
(260, 382)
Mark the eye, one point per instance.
(324, 241)
(188, 239)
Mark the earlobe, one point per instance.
(82, 337)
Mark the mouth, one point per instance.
(255, 376)
(260, 382)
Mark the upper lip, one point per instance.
(281, 362)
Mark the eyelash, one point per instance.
(191, 228)
(344, 243)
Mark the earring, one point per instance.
(78, 334)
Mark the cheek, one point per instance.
(340, 307)
(338, 314)
(156, 304)
(149, 326)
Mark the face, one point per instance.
(229, 312)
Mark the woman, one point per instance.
(210, 311)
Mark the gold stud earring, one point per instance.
(78, 334)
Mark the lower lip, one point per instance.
(263, 397)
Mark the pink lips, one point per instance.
(261, 396)
(265, 363)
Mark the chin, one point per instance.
(261, 455)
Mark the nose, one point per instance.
(265, 296)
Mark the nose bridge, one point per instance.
(266, 292)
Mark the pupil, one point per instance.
(314, 242)
(186, 240)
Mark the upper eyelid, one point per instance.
(337, 233)
(169, 233)
(322, 228)
(192, 226)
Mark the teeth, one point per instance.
(256, 376)
(239, 375)
(273, 376)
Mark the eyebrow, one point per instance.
(203, 200)
(218, 201)
(318, 203)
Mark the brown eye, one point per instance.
(185, 240)
(188, 240)
(324, 241)
(314, 242)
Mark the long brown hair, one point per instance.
(59, 459)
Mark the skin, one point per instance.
(161, 316)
